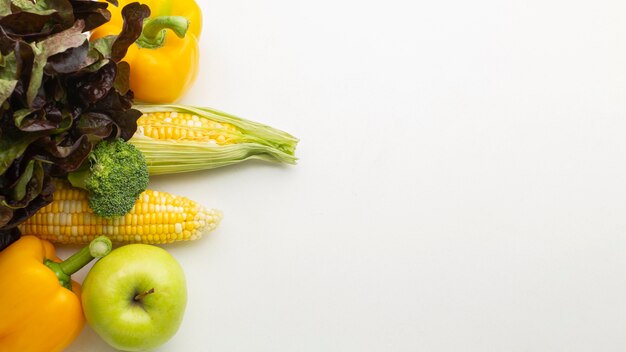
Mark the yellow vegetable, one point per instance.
(174, 126)
(164, 60)
(157, 217)
(185, 8)
(39, 302)
(177, 138)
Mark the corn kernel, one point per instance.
(156, 218)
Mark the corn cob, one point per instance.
(176, 138)
(157, 217)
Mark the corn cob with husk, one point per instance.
(157, 217)
(176, 138)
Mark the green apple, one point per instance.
(135, 297)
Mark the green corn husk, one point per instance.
(253, 141)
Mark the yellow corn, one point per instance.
(178, 138)
(157, 217)
(172, 125)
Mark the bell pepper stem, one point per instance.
(98, 248)
(154, 30)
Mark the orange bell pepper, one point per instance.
(163, 65)
(40, 304)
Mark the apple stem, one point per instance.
(141, 296)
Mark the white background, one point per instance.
(461, 183)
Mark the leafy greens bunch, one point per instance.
(59, 96)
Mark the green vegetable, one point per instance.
(115, 178)
(59, 96)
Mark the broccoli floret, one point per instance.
(115, 175)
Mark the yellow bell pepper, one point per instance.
(185, 8)
(163, 65)
(40, 304)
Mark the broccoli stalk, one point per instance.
(115, 175)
